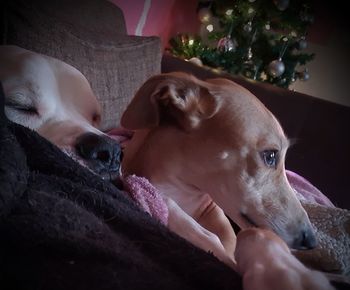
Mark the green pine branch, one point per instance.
(259, 27)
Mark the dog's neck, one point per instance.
(171, 181)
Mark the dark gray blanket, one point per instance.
(61, 227)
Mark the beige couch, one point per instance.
(91, 36)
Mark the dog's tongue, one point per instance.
(120, 135)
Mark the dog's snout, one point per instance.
(100, 151)
(306, 240)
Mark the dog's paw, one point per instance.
(265, 262)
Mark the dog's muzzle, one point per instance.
(101, 154)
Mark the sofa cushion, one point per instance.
(91, 36)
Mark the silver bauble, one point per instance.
(250, 53)
(302, 44)
(248, 27)
(226, 44)
(304, 75)
(276, 68)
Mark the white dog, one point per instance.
(55, 99)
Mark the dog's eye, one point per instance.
(182, 94)
(27, 110)
(24, 109)
(270, 158)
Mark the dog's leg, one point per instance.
(185, 226)
(266, 263)
(214, 220)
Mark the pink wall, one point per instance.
(164, 18)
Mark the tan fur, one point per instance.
(265, 262)
(201, 142)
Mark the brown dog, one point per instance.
(212, 148)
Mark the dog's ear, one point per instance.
(142, 112)
(173, 97)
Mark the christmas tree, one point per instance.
(259, 39)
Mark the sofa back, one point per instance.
(91, 36)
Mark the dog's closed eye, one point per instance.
(270, 158)
(22, 108)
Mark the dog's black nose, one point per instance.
(102, 154)
(306, 240)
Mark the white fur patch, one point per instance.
(224, 155)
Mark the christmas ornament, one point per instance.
(248, 27)
(229, 12)
(293, 33)
(226, 44)
(281, 4)
(196, 61)
(263, 76)
(304, 75)
(204, 15)
(276, 68)
(251, 10)
(250, 53)
(210, 27)
(293, 79)
(302, 44)
(277, 39)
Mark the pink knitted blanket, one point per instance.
(147, 197)
(305, 191)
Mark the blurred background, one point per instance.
(327, 37)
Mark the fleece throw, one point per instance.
(62, 227)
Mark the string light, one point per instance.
(246, 26)
(210, 27)
(250, 10)
(229, 12)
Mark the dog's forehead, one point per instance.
(55, 89)
(243, 114)
(27, 77)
